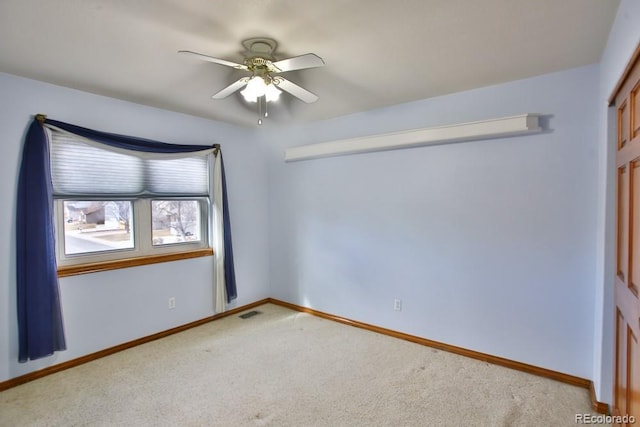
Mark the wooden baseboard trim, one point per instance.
(496, 360)
(597, 406)
(111, 350)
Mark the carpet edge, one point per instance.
(597, 406)
(22, 379)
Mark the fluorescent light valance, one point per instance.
(486, 129)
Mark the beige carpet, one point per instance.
(283, 368)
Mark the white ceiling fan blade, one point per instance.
(295, 90)
(215, 60)
(301, 62)
(231, 88)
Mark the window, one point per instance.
(97, 226)
(114, 204)
(175, 221)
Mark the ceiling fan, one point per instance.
(264, 84)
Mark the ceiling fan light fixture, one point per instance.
(257, 87)
(272, 93)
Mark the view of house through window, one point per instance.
(175, 221)
(96, 226)
(108, 225)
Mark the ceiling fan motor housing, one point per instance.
(259, 56)
(260, 66)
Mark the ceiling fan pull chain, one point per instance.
(260, 110)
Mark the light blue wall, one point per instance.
(623, 40)
(491, 245)
(105, 309)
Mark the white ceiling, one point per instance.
(377, 52)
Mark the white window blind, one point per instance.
(81, 168)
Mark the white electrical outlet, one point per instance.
(397, 304)
(172, 303)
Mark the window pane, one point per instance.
(175, 221)
(97, 226)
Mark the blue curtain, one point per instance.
(229, 270)
(40, 329)
(40, 326)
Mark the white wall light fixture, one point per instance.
(486, 129)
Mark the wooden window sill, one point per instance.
(73, 270)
